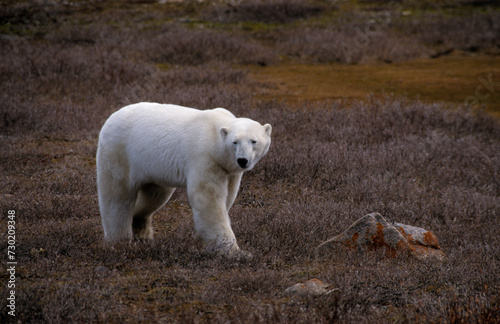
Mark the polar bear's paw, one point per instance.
(239, 255)
(229, 251)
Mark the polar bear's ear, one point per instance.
(224, 131)
(268, 129)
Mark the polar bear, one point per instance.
(147, 150)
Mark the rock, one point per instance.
(373, 232)
(102, 270)
(36, 252)
(423, 243)
(313, 287)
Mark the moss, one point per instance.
(448, 79)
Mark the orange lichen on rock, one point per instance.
(431, 240)
(396, 239)
(378, 239)
(422, 242)
(352, 242)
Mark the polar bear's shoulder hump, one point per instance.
(224, 111)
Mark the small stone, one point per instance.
(36, 252)
(313, 287)
(101, 270)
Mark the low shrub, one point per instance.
(195, 47)
(277, 12)
(348, 44)
(445, 33)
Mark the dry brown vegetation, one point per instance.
(65, 67)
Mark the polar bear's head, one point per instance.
(246, 141)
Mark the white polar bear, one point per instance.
(147, 150)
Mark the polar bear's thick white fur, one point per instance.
(147, 150)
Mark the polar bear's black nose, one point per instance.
(242, 162)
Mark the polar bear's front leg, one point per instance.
(208, 201)
(211, 220)
(232, 189)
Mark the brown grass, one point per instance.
(331, 162)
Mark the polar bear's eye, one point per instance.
(235, 142)
(254, 141)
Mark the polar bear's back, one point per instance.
(149, 135)
(162, 113)
(160, 120)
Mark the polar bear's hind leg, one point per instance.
(116, 199)
(151, 197)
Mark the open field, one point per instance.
(366, 99)
(449, 80)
